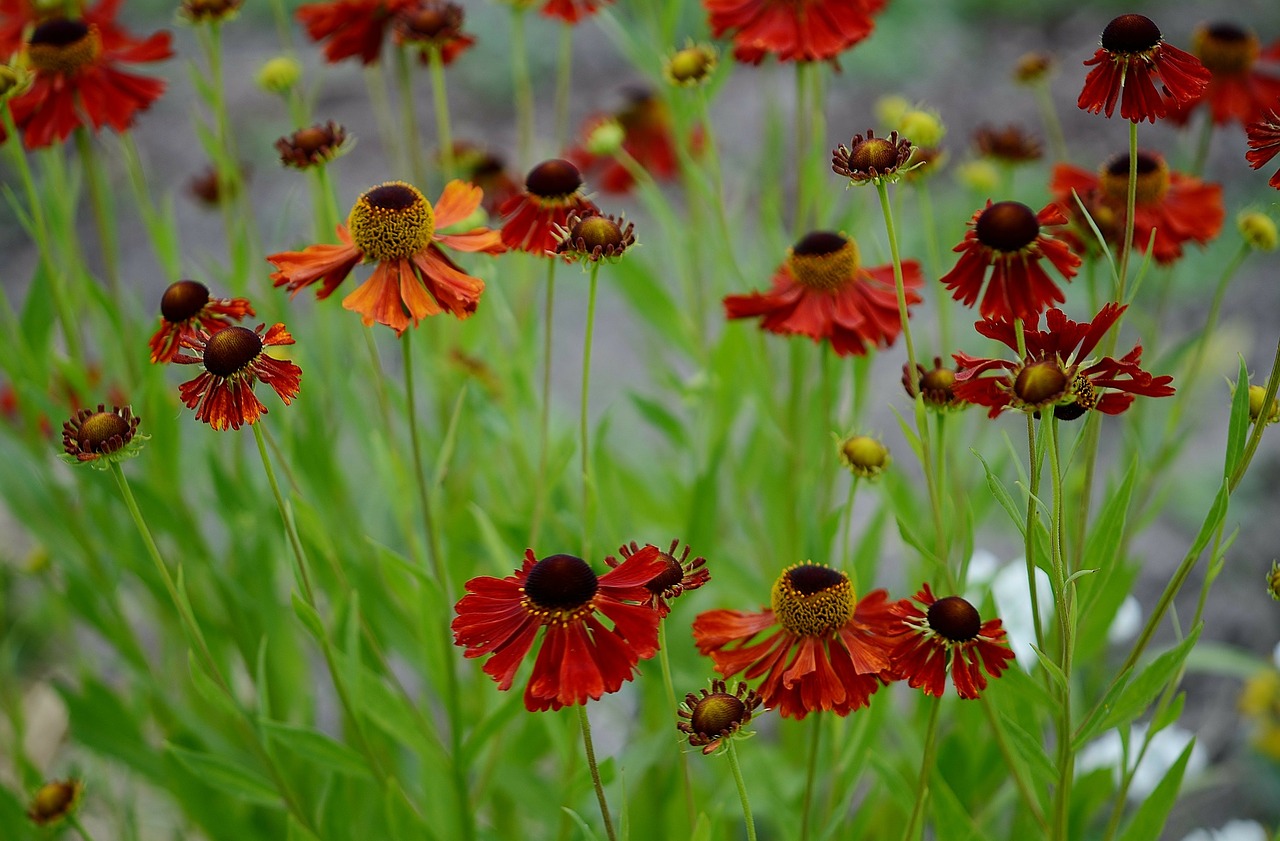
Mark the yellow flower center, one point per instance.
(392, 221)
(824, 260)
(811, 600)
(1226, 49)
(1153, 178)
(63, 46)
(1040, 383)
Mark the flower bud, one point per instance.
(280, 75)
(979, 176)
(925, 128)
(1258, 230)
(891, 109)
(1256, 395)
(606, 138)
(864, 456)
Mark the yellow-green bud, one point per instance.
(924, 128)
(891, 109)
(1273, 581)
(1256, 395)
(864, 456)
(1258, 230)
(981, 176)
(14, 81)
(691, 66)
(280, 75)
(606, 138)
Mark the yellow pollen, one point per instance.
(393, 221)
(558, 615)
(812, 614)
(66, 58)
(1153, 180)
(1226, 53)
(828, 272)
(1085, 393)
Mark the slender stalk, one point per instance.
(1052, 126)
(1065, 608)
(326, 204)
(711, 150)
(1033, 515)
(375, 84)
(1028, 797)
(1203, 142)
(103, 215)
(542, 481)
(595, 771)
(848, 531)
(564, 83)
(1210, 323)
(286, 514)
(742, 791)
(665, 662)
(811, 773)
(927, 221)
(926, 766)
(883, 189)
(440, 99)
(802, 146)
(430, 532)
(523, 86)
(1131, 200)
(584, 428)
(409, 119)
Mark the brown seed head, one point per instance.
(954, 618)
(1131, 34)
(230, 350)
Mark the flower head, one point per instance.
(1258, 230)
(395, 226)
(209, 11)
(186, 305)
(233, 359)
(78, 80)
(871, 159)
(1133, 56)
(54, 800)
(1264, 143)
(1056, 371)
(280, 75)
(936, 385)
(1178, 208)
(1257, 396)
(314, 145)
(692, 66)
(488, 171)
(1006, 240)
(817, 30)
(433, 25)
(937, 634)
(644, 124)
(102, 436)
(678, 574)
(866, 457)
(572, 11)
(552, 192)
(717, 715)
(350, 28)
(1034, 68)
(840, 644)
(1010, 144)
(593, 236)
(1238, 90)
(822, 291)
(578, 657)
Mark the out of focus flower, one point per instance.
(692, 66)
(53, 801)
(864, 456)
(1010, 144)
(1132, 58)
(1257, 394)
(936, 385)
(572, 11)
(646, 126)
(1258, 230)
(1239, 89)
(209, 11)
(1264, 143)
(312, 146)
(233, 359)
(433, 25)
(552, 192)
(280, 75)
(488, 171)
(350, 28)
(817, 30)
(1034, 68)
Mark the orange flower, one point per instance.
(647, 137)
(234, 358)
(1132, 57)
(394, 226)
(815, 30)
(1239, 90)
(947, 633)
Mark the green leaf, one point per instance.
(701, 828)
(1238, 426)
(1031, 749)
(1169, 714)
(328, 753)
(1213, 658)
(227, 776)
(450, 442)
(208, 687)
(1154, 811)
(1139, 693)
(656, 414)
(1002, 495)
(582, 825)
(310, 618)
(1051, 667)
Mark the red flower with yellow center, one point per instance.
(1056, 371)
(76, 64)
(394, 226)
(839, 644)
(552, 192)
(234, 358)
(678, 574)
(942, 634)
(646, 136)
(560, 595)
(1133, 56)
(1179, 208)
(1007, 238)
(1264, 144)
(823, 292)
(1239, 89)
(186, 304)
(792, 30)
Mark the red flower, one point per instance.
(1056, 371)
(1133, 56)
(1006, 238)
(822, 292)
(579, 657)
(487, 171)
(678, 574)
(234, 358)
(552, 192)
(350, 27)
(16, 16)
(646, 137)
(840, 646)
(947, 633)
(572, 11)
(394, 226)
(1264, 144)
(1179, 208)
(186, 304)
(815, 30)
(77, 76)
(433, 25)
(1238, 89)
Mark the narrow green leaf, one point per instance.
(1002, 495)
(328, 753)
(582, 825)
(1031, 750)
(1238, 425)
(308, 615)
(701, 828)
(1139, 693)
(208, 687)
(1051, 667)
(1154, 811)
(450, 442)
(262, 682)
(656, 414)
(227, 776)
(1169, 714)
(1080, 573)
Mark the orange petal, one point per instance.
(458, 201)
(457, 291)
(477, 239)
(378, 299)
(414, 294)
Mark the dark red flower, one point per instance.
(487, 171)
(1010, 144)
(823, 292)
(1264, 144)
(572, 11)
(433, 25)
(1179, 208)
(678, 574)
(646, 136)
(814, 30)
(17, 17)
(946, 634)
(186, 304)
(1239, 89)
(233, 359)
(1056, 370)
(840, 645)
(1133, 56)
(579, 658)
(552, 191)
(350, 28)
(1007, 238)
(76, 64)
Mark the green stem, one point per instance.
(523, 85)
(1033, 515)
(848, 531)
(286, 514)
(440, 99)
(375, 84)
(542, 482)
(927, 220)
(103, 216)
(326, 204)
(926, 767)
(409, 119)
(742, 791)
(711, 149)
(1131, 200)
(1052, 126)
(1065, 608)
(564, 82)
(802, 146)
(79, 828)
(811, 773)
(1202, 144)
(1211, 322)
(584, 428)
(883, 189)
(595, 771)
(430, 532)
(665, 662)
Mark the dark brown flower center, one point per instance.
(1040, 382)
(99, 428)
(1130, 34)
(393, 221)
(63, 46)
(53, 800)
(811, 600)
(555, 178)
(561, 583)
(230, 349)
(955, 619)
(597, 232)
(183, 300)
(58, 32)
(819, 243)
(1007, 226)
(716, 713)
(877, 153)
(671, 575)
(312, 139)
(1226, 49)
(1152, 173)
